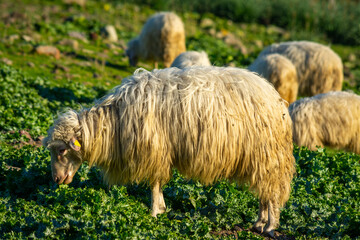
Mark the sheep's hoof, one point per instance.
(154, 213)
(258, 228)
(269, 233)
(162, 210)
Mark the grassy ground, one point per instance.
(97, 62)
(33, 88)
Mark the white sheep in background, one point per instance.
(319, 69)
(329, 119)
(280, 72)
(161, 39)
(191, 58)
(210, 123)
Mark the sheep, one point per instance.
(191, 58)
(280, 72)
(319, 69)
(210, 123)
(328, 119)
(161, 39)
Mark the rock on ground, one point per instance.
(109, 32)
(48, 50)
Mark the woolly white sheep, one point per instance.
(191, 58)
(280, 72)
(161, 39)
(319, 69)
(209, 123)
(329, 119)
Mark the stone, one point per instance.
(352, 57)
(259, 43)
(81, 3)
(48, 50)
(109, 32)
(206, 23)
(7, 61)
(74, 44)
(275, 30)
(30, 64)
(13, 37)
(27, 38)
(79, 36)
(231, 40)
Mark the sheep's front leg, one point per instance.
(157, 200)
(262, 217)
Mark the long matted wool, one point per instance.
(329, 119)
(161, 39)
(191, 58)
(319, 69)
(280, 71)
(208, 122)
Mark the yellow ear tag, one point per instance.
(76, 143)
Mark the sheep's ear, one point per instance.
(287, 104)
(45, 142)
(74, 144)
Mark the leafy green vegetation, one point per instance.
(325, 197)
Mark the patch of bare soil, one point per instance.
(234, 232)
(36, 143)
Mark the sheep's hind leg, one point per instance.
(162, 206)
(157, 200)
(263, 217)
(274, 217)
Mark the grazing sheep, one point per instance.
(329, 119)
(280, 72)
(191, 58)
(162, 39)
(319, 69)
(209, 123)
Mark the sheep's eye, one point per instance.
(62, 151)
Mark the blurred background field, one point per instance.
(231, 32)
(33, 88)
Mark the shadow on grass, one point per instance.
(65, 94)
(99, 61)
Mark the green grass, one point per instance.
(324, 201)
(335, 19)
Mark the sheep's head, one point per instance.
(65, 148)
(132, 52)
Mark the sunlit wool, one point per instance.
(161, 39)
(329, 119)
(319, 69)
(280, 72)
(191, 58)
(209, 123)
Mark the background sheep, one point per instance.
(280, 72)
(318, 68)
(208, 122)
(162, 39)
(191, 58)
(329, 119)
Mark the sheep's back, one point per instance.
(208, 122)
(318, 67)
(158, 31)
